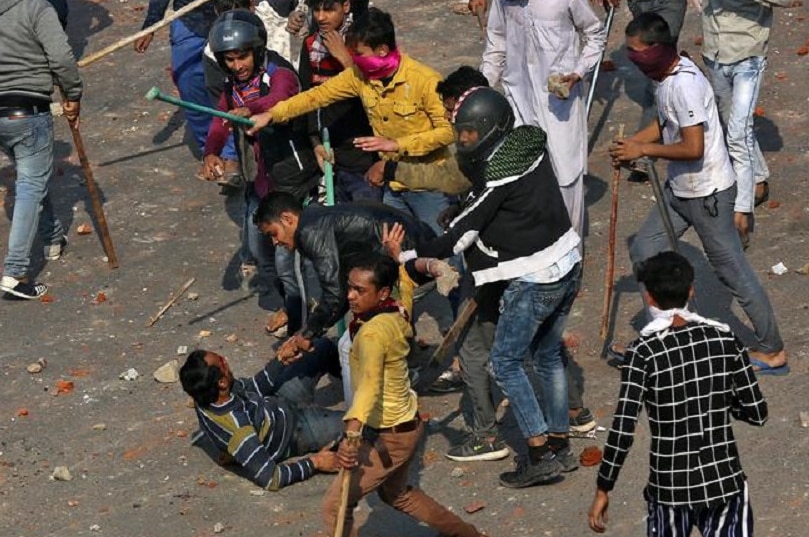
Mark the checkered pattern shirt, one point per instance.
(691, 379)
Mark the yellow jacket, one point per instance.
(378, 362)
(407, 110)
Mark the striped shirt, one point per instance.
(256, 429)
(691, 379)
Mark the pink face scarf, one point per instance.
(377, 67)
(654, 61)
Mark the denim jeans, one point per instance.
(189, 77)
(272, 260)
(712, 219)
(28, 142)
(736, 88)
(532, 320)
(352, 186)
(424, 205)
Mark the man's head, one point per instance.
(238, 41)
(371, 279)
(650, 45)
(669, 280)
(277, 217)
(482, 118)
(206, 377)
(457, 83)
(329, 14)
(372, 39)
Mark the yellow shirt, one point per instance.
(408, 110)
(378, 362)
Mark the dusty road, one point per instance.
(127, 443)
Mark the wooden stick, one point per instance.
(461, 321)
(171, 302)
(609, 275)
(353, 438)
(121, 43)
(98, 207)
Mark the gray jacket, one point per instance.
(735, 30)
(35, 52)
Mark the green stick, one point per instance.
(155, 93)
(328, 173)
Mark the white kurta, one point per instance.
(527, 41)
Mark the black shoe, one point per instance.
(638, 176)
(528, 473)
(478, 448)
(25, 290)
(564, 455)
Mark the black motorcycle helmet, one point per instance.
(486, 111)
(238, 29)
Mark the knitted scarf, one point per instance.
(388, 306)
(518, 152)
(244, 92)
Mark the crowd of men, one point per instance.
(477, 177)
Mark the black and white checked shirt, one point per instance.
(691, 379)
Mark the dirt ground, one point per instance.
(127, 443)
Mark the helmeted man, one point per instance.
(35, 53)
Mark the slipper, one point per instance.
(766, 369)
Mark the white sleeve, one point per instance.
(494, 55)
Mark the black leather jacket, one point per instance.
(328, 236)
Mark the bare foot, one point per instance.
(774, 359)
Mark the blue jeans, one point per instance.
(28, 142)
(712, 219)
(736, 88)
(352, 186)
(189, 77)
(285, 265)
(424, 205)
(532, 319)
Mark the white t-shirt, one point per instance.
(685, 99)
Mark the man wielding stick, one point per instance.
(28, 68)
(385, 409)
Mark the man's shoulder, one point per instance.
(416, 68)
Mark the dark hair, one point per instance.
(273, 205)
(221, 6)
(385, 269)
(460, 81)
(651, 29)
(668, 277)
(199, 379)
(374, 28)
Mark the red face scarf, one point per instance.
(654, 61)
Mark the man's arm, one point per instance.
(494, 55)
(465, 229)
(342, 86)
(319, 245)
(218, 132)
(748, 403)
(60, 57)
(283, 85)
(621, 435)
(593, 35)
(369, 345)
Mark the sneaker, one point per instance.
(56, 250)
(449, 381)
(545, 470)
(567, 460)
(479, 448)
(20, 289)
(248, 276)
(584, 422)
(638, 176)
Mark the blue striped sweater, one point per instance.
(256, 429)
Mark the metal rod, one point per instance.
(155, 93)
(592, 91)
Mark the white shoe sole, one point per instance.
(500, 454)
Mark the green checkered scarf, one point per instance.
(520, 150)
